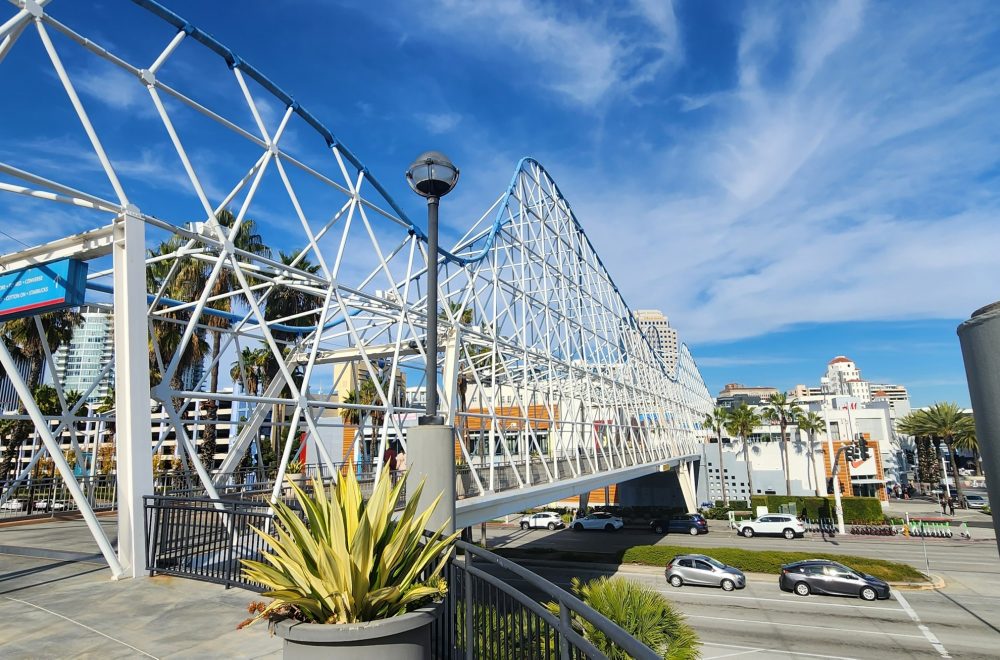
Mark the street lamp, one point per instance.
(432, 176)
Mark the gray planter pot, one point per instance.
(406, 637)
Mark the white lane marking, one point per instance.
(82, 625)
(730, 655)
(801, 625)
(803, 601)
(931, 637)
(796, 653)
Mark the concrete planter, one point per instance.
(405, 637)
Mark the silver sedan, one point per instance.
(705, 571)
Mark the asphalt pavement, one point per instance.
(962, 620)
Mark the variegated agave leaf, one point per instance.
(350, 560)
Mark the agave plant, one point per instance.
(351, 561)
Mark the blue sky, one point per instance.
(787, 181)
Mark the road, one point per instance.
(961, 620)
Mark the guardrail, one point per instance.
(483, 616)
(49, 496)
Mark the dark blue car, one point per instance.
(686, 523)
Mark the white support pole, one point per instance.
(134, 430)
(834, 480)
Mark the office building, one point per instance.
(656, 328)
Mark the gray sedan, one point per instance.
(703, 570)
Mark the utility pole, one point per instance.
(834, 456)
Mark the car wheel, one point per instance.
(728, 585)
(609, 528)
(693, 531)
(577, 527)
(868, 593)
(747, 532)
(658, 529)
(676, 581)
(552, 526)
(524, 525)
(802, 589)
(789, 534)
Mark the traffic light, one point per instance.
(849, 452)
(863, 452)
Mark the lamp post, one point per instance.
(432, 176)
(431, 444)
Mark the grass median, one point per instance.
(751, 561)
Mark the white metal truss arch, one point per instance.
(546, 378)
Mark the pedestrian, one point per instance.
(944, 505)
(951, 505)
(401, 461)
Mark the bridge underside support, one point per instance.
(685, 477)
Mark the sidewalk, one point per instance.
(66, 609)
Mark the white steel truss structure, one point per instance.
(318, 327)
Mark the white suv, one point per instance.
(546, 519)
(779, 524)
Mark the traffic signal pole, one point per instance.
(835, 460)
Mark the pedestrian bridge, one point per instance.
(269, 294)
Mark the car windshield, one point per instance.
(975, 498)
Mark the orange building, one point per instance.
(859, 478)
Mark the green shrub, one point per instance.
(641, 611)
(769, 561)
(857, 510)
(986, 509)
(735, 505)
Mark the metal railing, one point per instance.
(49, 496)
(483, 616)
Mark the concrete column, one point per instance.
(980, 339)
(686, 482)
(430, 454)
(133, 427)
(584, 502)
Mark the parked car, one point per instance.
(598, 520)
(704, 570)
(688, 523)
(822, 576)
(12, 505)
(43, 505)
(546, 519)
(779, 524)
(976, 501)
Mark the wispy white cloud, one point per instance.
(848, 174)
(441, 122)
(585, 58)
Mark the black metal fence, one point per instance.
(35, 497)
(484, 616)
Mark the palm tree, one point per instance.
(21, 335)
(715, 421)
(783, 411)
(968, 440)
(248, 240)
(942, 422)
(812, 424)
(282, 302)
(741, 423)
(252, 370)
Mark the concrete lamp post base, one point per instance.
(430, 452)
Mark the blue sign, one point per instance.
(42, 288)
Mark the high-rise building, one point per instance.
(80, 362)
(843, 378)
(656, 327)
(8, 397)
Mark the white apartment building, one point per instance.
(80, 362)
(8, 397)
(656, 327)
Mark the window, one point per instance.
(685, 563)
(702, 565)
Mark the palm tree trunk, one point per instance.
(788, 468)
(746, 457)
(954, 470)
(722, 471)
